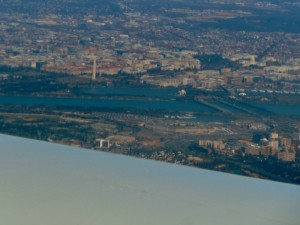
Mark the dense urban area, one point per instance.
(209, 84)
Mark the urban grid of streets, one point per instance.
(227, 57)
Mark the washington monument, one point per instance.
(94, 68)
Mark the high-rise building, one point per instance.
(286, 142)
(274, 136)
(252, 60)
(274, 146)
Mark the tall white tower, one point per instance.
(94, 68)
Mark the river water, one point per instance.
(163, 93)
(167, 101)
(281, 109)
